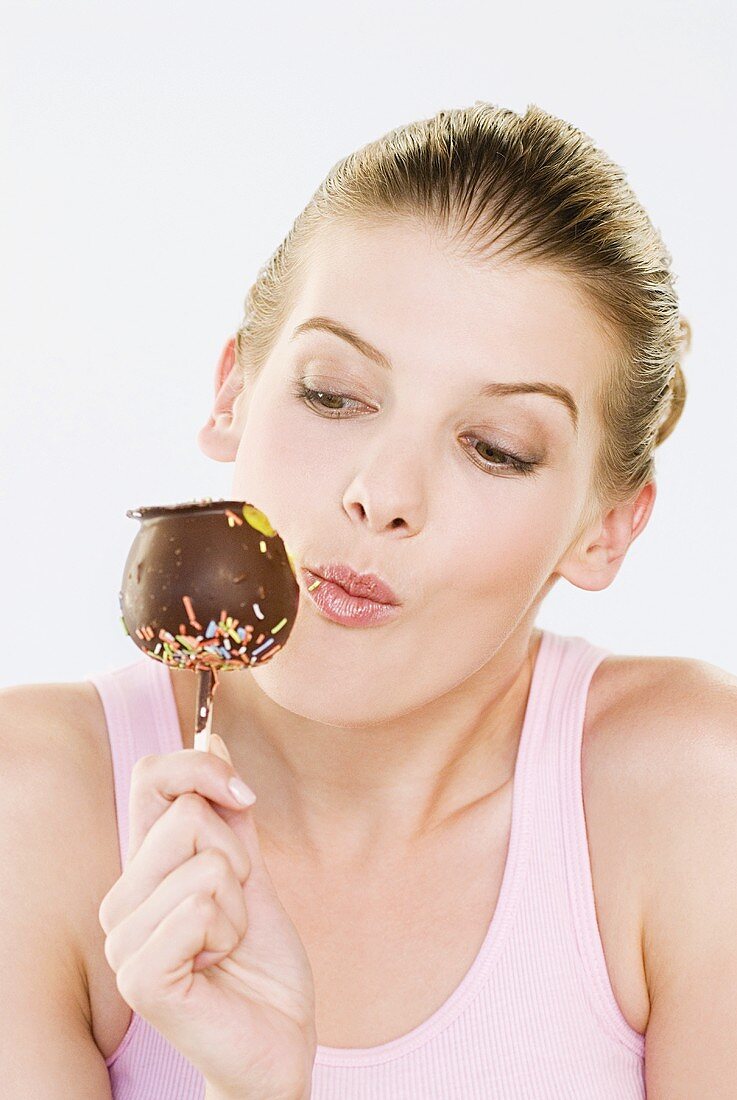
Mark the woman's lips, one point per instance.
(339, 606)
(367, 585)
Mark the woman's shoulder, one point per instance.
(655, 703)
(58, 825)
(662, 759)
(56, 757)
(659, 727)
(57, 732)
(64, 715)
(57, 796)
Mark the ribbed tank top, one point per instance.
(535, 1017)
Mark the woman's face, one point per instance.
(413, 479)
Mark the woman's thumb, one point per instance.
(242, 824)
(219, 748)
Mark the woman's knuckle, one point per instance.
(203, 904)
(192, 806)
(142, 768)
(111, 951)
(242, 926)
(217, 864)
(128, 981)
(212, 870)
(104, 914)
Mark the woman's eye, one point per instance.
(512, 461)
(509, 461)
(312, 397)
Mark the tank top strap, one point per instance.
(141, 719)
(566, 901)
(570, 665)
(542, 701)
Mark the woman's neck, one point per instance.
(347, 793)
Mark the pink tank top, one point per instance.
(535, 1017)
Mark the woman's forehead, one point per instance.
(397, 290)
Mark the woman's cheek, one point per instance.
(506, 550)
(276, 457)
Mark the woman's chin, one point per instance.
(319, 696)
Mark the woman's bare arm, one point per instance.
(690, 911)
(47, 1049)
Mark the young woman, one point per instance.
(485, 859)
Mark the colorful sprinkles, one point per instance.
(224, 643)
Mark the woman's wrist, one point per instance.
(213, 1093)
(301, 1092)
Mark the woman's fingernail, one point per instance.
(241, 792)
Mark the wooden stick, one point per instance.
(207, 682)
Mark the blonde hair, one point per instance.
(535, 189)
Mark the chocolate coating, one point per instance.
(208, 585)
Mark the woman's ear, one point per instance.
(594, 561)
(220, 436)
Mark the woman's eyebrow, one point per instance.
(491, 389)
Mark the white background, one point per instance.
(154, 155)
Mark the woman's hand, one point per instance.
(198, 939)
